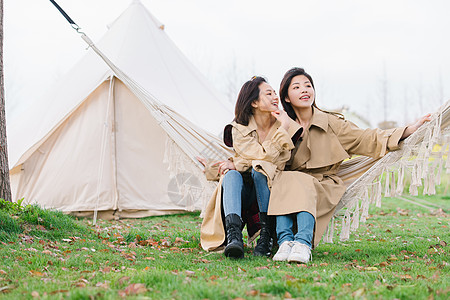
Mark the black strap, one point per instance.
(65, 15)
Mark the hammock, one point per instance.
(421, 156)
(418, 156)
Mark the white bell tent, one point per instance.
(92, 144)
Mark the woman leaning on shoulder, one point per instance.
(261, 138)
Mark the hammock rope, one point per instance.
(185, 141)
(417, 156)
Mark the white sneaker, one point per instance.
(284, 251)
(299, 253)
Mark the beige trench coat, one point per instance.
(268, 157)
(309, 182)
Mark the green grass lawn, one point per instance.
(400, 253)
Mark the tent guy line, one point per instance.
(68, 18)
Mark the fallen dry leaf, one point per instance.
(79, 284)
(359, 292)
(36, 273)
(124, 279)
(102, 285)
(58, 292)
(180, 240)
(289, 277)
(133, 289)
(6, 289)
(435, 276)
(252, 293)
(202, 261)
(392, 258)
(405, 277)
(287, 295)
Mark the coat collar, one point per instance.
(320, 119)
(245, 130)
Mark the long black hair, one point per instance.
(249, 93)
(284, 86)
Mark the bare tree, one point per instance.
(406, 103)
(233, 81)
(384, 93)
(440, 88)
(5, 186)
(420, 94)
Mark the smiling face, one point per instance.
(301, 92)
(268, 99)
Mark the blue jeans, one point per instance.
(237, 195)
(305, 230)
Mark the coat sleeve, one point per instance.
(248, 148)
(369, 142)
(212, 170)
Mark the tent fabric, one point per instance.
(142, 50)
(92, 144)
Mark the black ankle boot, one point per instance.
(235, 245)
(265, 242)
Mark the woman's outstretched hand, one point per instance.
(410, 129)
(283, 117)
(202, 160)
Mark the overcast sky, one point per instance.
(350, 47)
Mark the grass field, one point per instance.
(400, 253)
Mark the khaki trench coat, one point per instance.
(268, 157)
(309, 182)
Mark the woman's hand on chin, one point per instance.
(283, 117)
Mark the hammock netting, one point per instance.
(422, 157)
